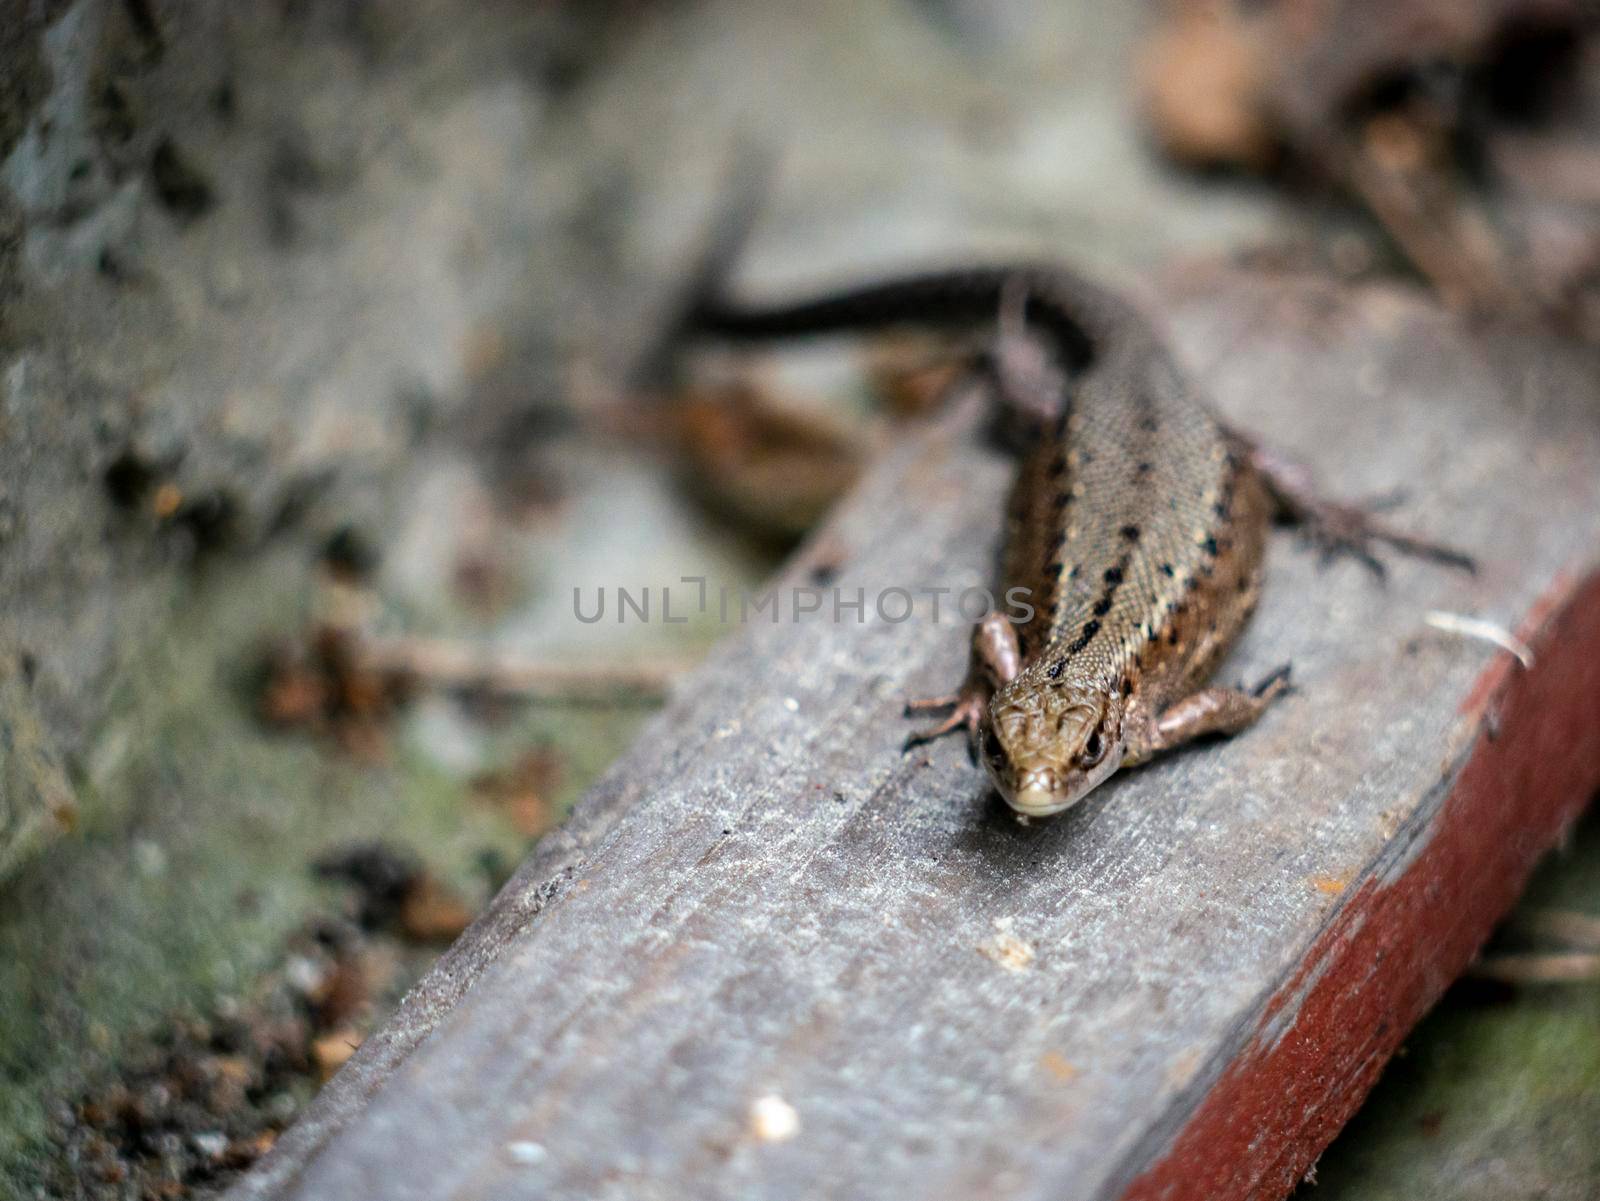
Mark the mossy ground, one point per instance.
(192, 864)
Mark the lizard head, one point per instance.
(1049, 743)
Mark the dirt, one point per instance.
(205, 1095)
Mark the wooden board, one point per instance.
(772, 957)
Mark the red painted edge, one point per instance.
(1398, 943)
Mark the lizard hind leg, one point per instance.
(1344, 529)
(1028, 384)
(996, 659)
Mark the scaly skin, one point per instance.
(1137, 525)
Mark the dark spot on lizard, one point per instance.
(1141, 469)
(1166, 570)
(1113, 575)
(1209, 546)
(1127, 685)
(1102, 606)
(1058, 465)
(1130, 533)
(1057, 668)
(1172, 636)
(1149, 425)
(1090, 629)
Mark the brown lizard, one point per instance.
(1136, 527)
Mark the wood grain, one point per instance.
(771, 957)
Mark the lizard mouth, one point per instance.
(1047, 790)
(1037, 793)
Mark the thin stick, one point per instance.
(469, 666)
(1570, 928)
(1571, 967)
(1478, 627)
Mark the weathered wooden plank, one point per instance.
(1179, 989)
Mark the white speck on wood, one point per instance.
(773, 1120)
(526, 1154)
(1005, 948)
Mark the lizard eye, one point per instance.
(991, 745)
(1094, 750)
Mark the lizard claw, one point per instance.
(967, 711)
(1274, 684)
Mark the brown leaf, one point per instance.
(332, 1050)
(433, 913)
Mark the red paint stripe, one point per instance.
(1395, 947)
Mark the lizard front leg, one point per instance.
(1213, 710)
(996, 660)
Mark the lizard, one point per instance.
(1136, 527)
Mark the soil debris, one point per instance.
(526, 790)
(202, 1098)
(394, 892)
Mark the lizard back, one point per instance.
(1136, 524)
